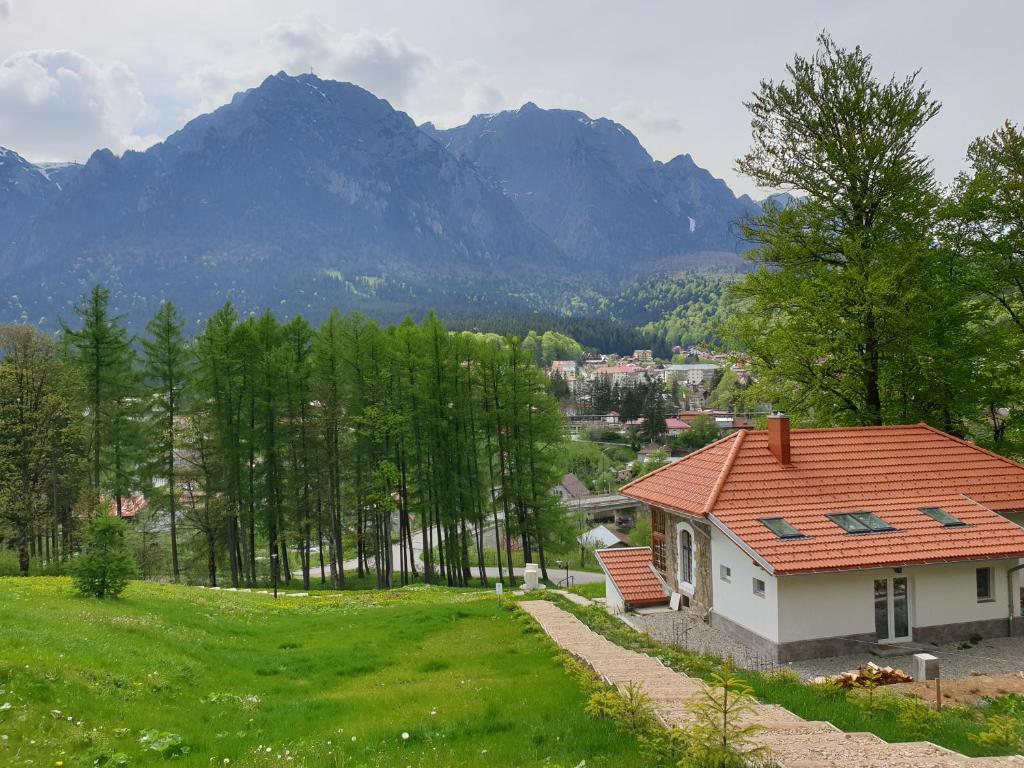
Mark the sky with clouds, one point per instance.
(123, 74)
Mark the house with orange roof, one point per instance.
(631, 581)
(816, 542)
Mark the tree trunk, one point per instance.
(872, 393)
(23, 558)
(211, 557)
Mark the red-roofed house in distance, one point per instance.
(131, 506)
(675, 426)
(820, 542)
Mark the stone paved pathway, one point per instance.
(572, 597)
(794, 742)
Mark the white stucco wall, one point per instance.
(736, 600)
(612, 597)
(826, 605)
(947, 594)
(821, 605)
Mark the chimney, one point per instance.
(778, 437)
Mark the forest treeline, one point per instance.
(592, 332)
(275, 448)
(658, 313)
(684, 309)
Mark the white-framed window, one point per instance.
(725, 573)
(985, 580)
(758, 587)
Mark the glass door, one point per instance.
(892, 609)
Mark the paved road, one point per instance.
(579, 577)
(556, 574)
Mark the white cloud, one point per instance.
(212, 86)
(60, 105)
(385, 64)
(650, 117)
(548, 98)
(450, 93)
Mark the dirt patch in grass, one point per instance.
(961, 691)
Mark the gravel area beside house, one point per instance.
(995, 656)
(685, 629)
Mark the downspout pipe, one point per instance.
(1009, 597)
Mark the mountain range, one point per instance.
(302, 194)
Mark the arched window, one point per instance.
(685, 556)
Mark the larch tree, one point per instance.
(103, 353)
(168, 365)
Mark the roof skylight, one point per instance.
(860, 522)
(781, 527)
(940, 515)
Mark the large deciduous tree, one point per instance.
(40, 444)
(984, 227)
(852, 300)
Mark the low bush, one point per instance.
(105, 565)
(918, 720)
(1002, 733)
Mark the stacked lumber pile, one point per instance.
(856, 678)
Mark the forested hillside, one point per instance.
(681, 309)
(663, 311)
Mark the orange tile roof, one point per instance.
(891, 471)
(632, 571)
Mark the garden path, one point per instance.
(794, 742)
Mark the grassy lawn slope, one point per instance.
(184, 676)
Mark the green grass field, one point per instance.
(553, 558)
(184, 676)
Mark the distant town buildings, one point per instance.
(692, 373)
(687, 388)
(567, 368)
(629, 373)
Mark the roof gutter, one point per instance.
(907, 564)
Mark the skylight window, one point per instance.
(860, 522)
(940, 515)
(781, 528)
